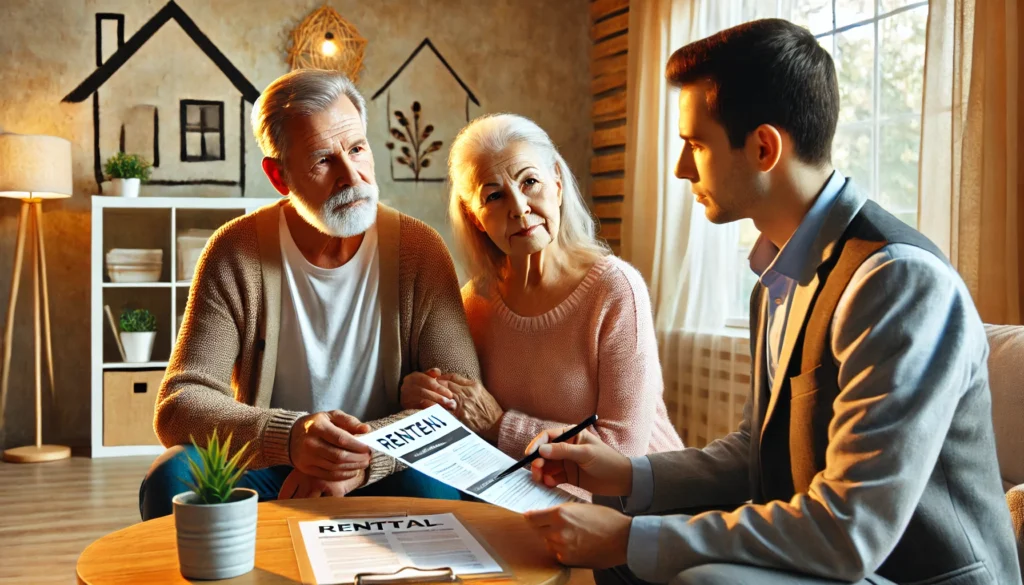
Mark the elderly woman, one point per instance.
(563, 329)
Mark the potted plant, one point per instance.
(126, 171)
(138, 332)
(216, 521)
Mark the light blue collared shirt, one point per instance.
(778, 270)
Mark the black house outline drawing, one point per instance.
(126, 50)
(470, 97)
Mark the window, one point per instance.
(202, 130)
(878, 47)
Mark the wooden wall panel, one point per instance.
(608, 61)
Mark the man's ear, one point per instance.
(272, 168)
(764, 145)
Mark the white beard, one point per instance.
(345, 223)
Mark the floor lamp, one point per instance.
(32, 168)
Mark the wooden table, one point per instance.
(147, 552)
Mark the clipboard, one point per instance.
(404, 575)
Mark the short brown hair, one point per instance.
(767, 71)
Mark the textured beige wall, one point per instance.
(525, 56)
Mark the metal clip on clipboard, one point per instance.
(408, 575)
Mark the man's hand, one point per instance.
(299, 485)
(422, 390)
(584, 461)
(584, 535)
(321, 445)
(477, 409)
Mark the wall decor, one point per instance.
(206, 121)
(325, 40)
(413, 141)
(429, 83)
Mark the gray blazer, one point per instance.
(911, 433)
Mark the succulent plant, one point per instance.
(218, 472)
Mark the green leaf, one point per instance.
(137, 320)
(127, 166)
(219, 473)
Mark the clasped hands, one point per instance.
(467, 399)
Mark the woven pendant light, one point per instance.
(325, 40)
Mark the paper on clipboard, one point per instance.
(341, 550)
(435, 443)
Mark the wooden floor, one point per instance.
(49, 513)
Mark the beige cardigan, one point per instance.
(221, 372)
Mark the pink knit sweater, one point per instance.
(595, 352)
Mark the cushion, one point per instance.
(1006, 379)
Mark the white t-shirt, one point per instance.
(328, 352)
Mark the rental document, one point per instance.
(338, 549)
(434, 442)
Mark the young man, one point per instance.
(866, 452)
(306, 315)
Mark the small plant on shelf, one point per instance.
(138, 333)
(138, 321)
(128, 166)
(217, 474)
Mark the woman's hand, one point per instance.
(477, 409)
(422, 390)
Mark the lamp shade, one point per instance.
(34, 167)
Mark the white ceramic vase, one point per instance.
(216, 541)
(125, 187)
(138, 346)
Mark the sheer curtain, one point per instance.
(970, 172)
(688, 262)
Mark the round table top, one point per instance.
(147, 552)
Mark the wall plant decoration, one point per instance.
(325, 40)
(412, 139)
(427, 81)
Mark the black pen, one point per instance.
(560, 438)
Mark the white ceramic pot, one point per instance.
(138, 346)
(216, 541)
(125, 187)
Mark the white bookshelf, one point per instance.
(145, 222)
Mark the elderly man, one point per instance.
(307, 315)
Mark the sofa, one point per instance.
(1006, 379)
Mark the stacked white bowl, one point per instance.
(134, 264)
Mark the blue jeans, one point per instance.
(163, 482)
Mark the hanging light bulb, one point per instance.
(329, 48)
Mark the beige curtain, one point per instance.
(970, 172)
(688, 263)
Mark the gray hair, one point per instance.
(302, 92)
(491, 134)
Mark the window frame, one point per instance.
(202, 131)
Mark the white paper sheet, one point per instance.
(340, 548)
(434, 442)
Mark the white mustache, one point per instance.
(349, 195)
